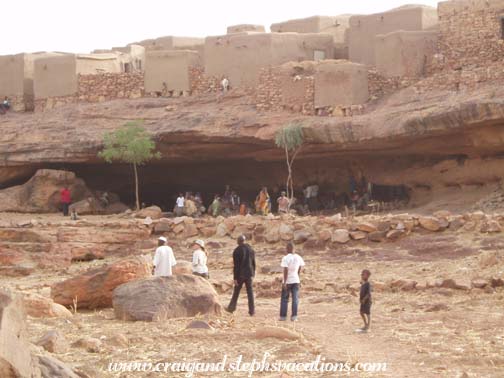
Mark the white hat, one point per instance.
(162, 238)
(201, 243)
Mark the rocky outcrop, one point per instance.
(93, 289)
(163, 298)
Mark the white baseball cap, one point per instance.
(162, 238)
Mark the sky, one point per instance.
(81, 26)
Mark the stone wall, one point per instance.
(201, 83)
(98, 88)
(471, 33)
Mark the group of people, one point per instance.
(244, 268)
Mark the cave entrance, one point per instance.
(161, 182)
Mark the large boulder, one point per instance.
(161, 298)
(93, 289)
(153, 212)
(42, 192)
(15, 357)
(39, 306)
(341, 236)
(430, 223)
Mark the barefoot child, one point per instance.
(365, 299)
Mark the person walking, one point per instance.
(65, 199)
(244, 267)
(199, 260)
(164, 259)
(292, 264)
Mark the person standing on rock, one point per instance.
(164, 260)
(65, 199)
(283, 203)
(292, 265)
(244, 267)
(199, 261)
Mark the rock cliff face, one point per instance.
(427, 141)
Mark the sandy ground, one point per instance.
(423, 333)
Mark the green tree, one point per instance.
(291, 140)
(129, 144)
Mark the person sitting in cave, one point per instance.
(262, 202)
(104, 198)
(215, 208)
(283, 203)
(180, 205)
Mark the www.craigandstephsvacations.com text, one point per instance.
(248, 368)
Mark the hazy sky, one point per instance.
(84, 25)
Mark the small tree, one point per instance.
(132, 145)
(291, 140)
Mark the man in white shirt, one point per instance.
(199, 261)
(225, 84)
(180, 205)
(164, 259)
(292, 264)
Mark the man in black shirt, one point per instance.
(365, 299)
(243, 273)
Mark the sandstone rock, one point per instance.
(285, 232)
(437, 307)
(271, 269)
(461, 284)
(164, 298)
(324, 235)
(377, 236)
(497, 282)
(366, 227)
(208, 231)
(153, 212)
(93, 289)
(446, 283)
(118, 340)
(51, 367)
(443, 214)
(42, 192)
(199, 324)
(277, 333)
(163, 226)
(358, 235)
(488, 259)
(222, 230)
(430, 223)
(39, 306)
(383, 226)
(479, 283)
(190, 231)
(15, 357)
(272, 235)
(491, 227)
(90, 344)
(456, 224)
(182, 267)
(477, 216)
(395, 234)
(404, 284)
(340, 236)
(87, 206)
(54, 342)
(301, 236)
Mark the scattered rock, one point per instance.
(366, 227)
(39, 306)
(341, 236)
(162, 298)
(153, 212)
(93, 289)
(277, 333)
(301, 236)
(90, 344)
(51, 367)
(54, 342)
(497, 282)
(437, 307)
(488, 259)
(118, 340)
(285, 232)
(491, 227)
(182, 267)
(430, 223)
(222, 230)
(199, 324)
(271, 269)
(479, 283)
(404, 284)
(377, 236)
(324, 235)
(395, 234)
(358, 235)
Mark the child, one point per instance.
(365, 299)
